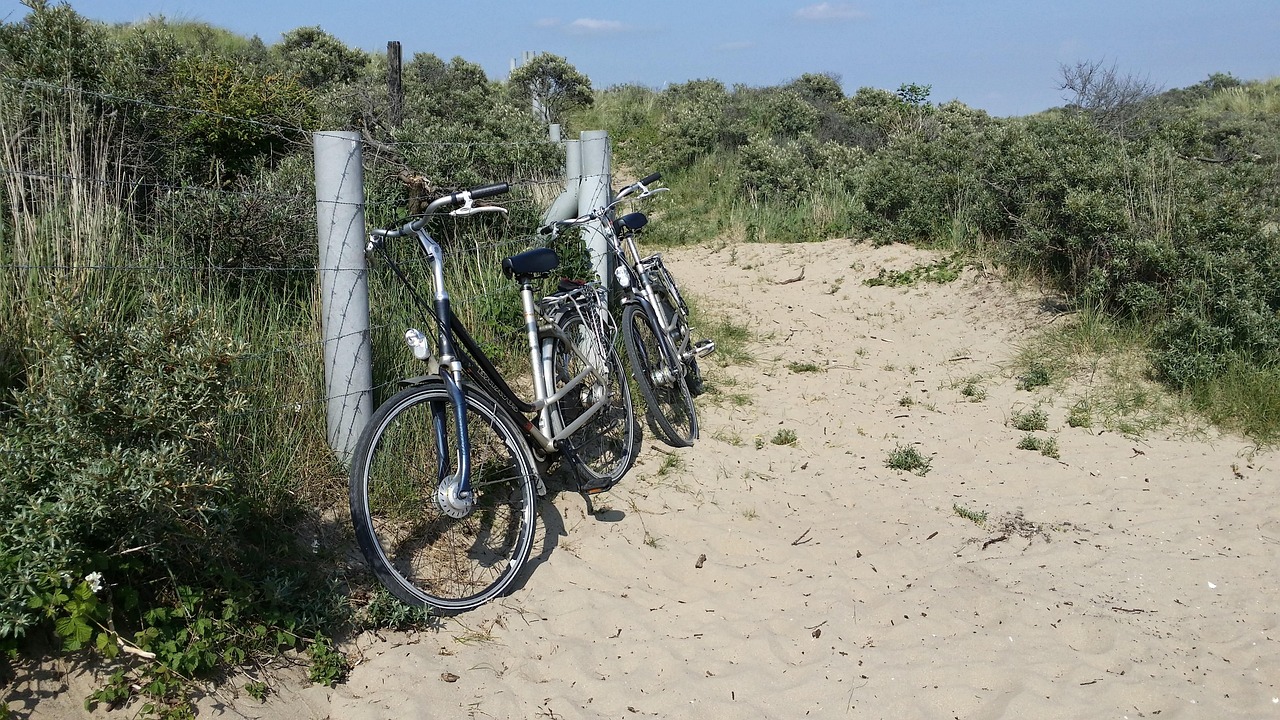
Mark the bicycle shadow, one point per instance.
(553, 525)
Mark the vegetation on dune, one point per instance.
(1150, 210)
(160, 434)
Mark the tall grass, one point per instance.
(63, 190)
(1261, 98)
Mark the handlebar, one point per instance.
(642, 187)
(465, 198)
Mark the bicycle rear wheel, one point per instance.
(673, 307)
(607, 444)
(669, 405)
(417, 545)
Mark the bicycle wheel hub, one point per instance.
(663, 377)
(450, 500)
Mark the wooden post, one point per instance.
(395, 89)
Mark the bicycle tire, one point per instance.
(420, 553)
(604, 448)
(669, 405)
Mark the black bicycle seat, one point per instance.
(530, 263)
(631, 221)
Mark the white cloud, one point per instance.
(591, 26)
(830, 11)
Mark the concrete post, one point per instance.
(566, 206)
(594, 193)
(344, 291)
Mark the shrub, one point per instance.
(111, 461)
(318, 59)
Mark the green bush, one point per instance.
(111, 460)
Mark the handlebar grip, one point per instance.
(490, 190)
(652, 178)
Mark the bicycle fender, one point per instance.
(418, 380)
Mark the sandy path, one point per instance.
(1140, 580)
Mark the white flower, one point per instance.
(95, 581)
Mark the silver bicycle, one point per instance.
(655, 319)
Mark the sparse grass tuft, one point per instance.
(804, 367)
(973, 516)
(785, 436)
(1045, 446)
(908, 459)
(1030, 420)
(1081, 415)
(1036, 375)
(670, 463)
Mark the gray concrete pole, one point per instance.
(344, 290)
(566, 206)
(596, 192)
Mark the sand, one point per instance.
(1127, 578)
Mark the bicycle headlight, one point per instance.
(622, 276)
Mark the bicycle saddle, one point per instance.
(631, 221)
(530, 263)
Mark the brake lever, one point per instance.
(648, 193)
(470, 209)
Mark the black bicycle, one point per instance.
(446, 475)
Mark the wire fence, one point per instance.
(163, 230)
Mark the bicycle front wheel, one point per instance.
(426, 550)
(607, 444)
(669, 405)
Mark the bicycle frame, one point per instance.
(461, 358)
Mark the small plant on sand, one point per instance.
(1081, 415)
(1045, 446)
(973, 516)
(908, 459)
(1030, 420)
(804, 367)
(906, 401)
(1036, 375)
(784, 436)
(943, 271)
(972, 390)
(670, 464)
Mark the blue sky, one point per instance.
(999, 55)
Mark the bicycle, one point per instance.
(445, 476)
(654, 319)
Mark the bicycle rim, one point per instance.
(669, 405)
(422, 555)
(607, 445)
